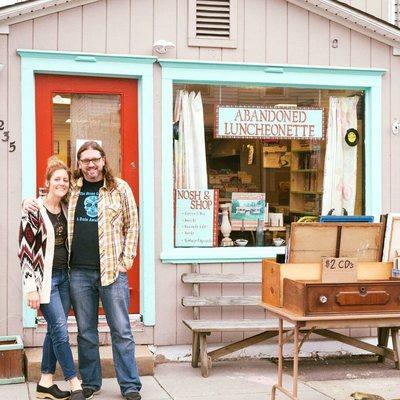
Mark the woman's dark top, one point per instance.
(60, 260)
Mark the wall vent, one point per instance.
(213, 18)
(212, 23)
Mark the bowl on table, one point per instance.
(241, 242)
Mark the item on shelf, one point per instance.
(275, 219)
(249, 207)
(241, 242)
(278, 241)
(260, 233)
(226, 226)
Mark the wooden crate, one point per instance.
(274, 273)
(310, 298)
(309, 242)
(11, 360)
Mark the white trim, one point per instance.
(25, 11)
(353, 19)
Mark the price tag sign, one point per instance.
(339, 270)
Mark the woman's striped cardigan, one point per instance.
(36, 251)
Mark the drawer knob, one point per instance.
(323, 299)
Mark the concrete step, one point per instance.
(33, 358)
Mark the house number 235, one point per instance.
(5, 137)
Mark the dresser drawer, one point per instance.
(315, 298)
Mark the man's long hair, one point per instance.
(107, 172)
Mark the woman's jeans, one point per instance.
(56, 343)
(86, 290)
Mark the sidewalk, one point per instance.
(249, 380)
(328, 370)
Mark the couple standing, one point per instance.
(78, 252)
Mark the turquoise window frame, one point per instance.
(217, 73)
(103, 65)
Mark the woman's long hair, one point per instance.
(107, 172)
(53, 165)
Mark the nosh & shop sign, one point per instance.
(268, 122)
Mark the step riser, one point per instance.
(145, 363)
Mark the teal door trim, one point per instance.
(121, 66)
(216, 73)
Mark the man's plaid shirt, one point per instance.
(117, 224)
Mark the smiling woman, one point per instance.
(44, 257)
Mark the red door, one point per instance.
(72, 109)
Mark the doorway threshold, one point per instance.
(136, 324)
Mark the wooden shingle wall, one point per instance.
(272, 31)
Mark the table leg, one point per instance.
(296, 351)
(279, 386)
(280, 359)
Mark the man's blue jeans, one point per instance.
(86, 290)
(56, 343)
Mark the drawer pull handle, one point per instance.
(323, 299)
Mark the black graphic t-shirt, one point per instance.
(59, 222)
(85, 241)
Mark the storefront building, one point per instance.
(270, 73)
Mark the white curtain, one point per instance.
(340, 175)
(189, 149)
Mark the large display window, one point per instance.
(274, 155)
(290, 173)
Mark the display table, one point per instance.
(303, 326)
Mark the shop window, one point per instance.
(288, 164)
(212, 23)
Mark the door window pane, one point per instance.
(87, 117)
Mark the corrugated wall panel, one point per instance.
(380, 58)
(94, 18)
(233, 312)
(255, 26)
(318, 50)
(339, 56)
(183, 333)
(268, 31)
(3, 193)
(360, 55)
(45, 32)
(118, 26)
(21, 37)
(393, 186)
(182, 49)
(298, 40)
(165, 20)
(70, 30)
(142, 27)
(277, 31)
(213, 289)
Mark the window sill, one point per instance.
(219, 254)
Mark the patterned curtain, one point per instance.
(190, 165)
(340, 175)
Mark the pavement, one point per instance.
(250, 379)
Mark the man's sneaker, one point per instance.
(53, 392)
(132, 396)
(77, 395)
(88, 393)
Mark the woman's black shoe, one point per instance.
(52, 392)
(77, 395)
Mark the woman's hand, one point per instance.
(33, 300)
(29, 205)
